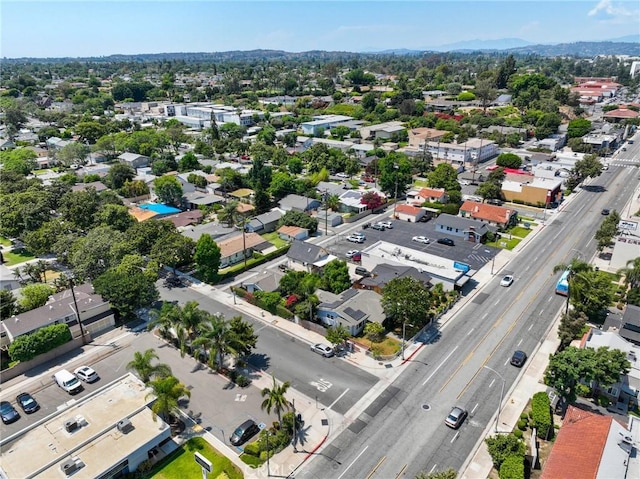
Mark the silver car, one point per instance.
(322, 349)
(456, 417)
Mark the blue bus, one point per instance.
(562, 287)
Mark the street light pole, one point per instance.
(501, 394)
(404, 326)
(75, 303)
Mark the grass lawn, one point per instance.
(274, 239)
(181, 465)
(612, 276)
(510, 244)
(4, 241)
(520, 231)
(386, 348)
(423, 183)
(17, 256)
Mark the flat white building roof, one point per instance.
(97, 443)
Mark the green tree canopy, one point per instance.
(296, 218)
(509, 160)
(444, 176)
(169, 190)
(578, 128)
(207, 258)
(502, 446)
(35, 295)
(167, 391)
(335, 277)
(126, 291)
(118, 175)
(406, 300)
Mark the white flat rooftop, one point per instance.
(98, 443)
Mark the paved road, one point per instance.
(333, 381)
(396, 433)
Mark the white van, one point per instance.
(67, 381)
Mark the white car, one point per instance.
(86, 374)
(421, 239)
(342, 175)
(352, 252)
(464, 182)
(507, 281)
(387, 224)
(355, 239)
(322, 349)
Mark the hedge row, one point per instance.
(257, 259)
(27, 347)
(512, 468)
(541, 414)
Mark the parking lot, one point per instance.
(475, 255)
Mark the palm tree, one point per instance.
(167, 391)
(141, 364)
(17, 274)
(216, 339)
(228, 213)
(577, 279)
(275, 398)
(191, 317)
(632, 273)
(166, 319)
(333, 202)
(42, 266)
(33, 271)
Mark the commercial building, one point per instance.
(105, 435)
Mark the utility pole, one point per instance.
(75, 303)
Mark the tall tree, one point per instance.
(118, 175)
(141, 364)
(126, 291)
(406, 300)
(275, 398)
(572, 324)
(335, 277)
(207, 258)
(167, 391)
(168, 189)
(35, 295)
(8, 304)
(632, 273)
(444, 176)
(173, 250)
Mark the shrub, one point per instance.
(504, 445)
(512, 468)
(242, 381)
(525, 416)
(27, 347)
(541, 417)
(518, 433)
(583, 390)
(253, 449)
(522, 424)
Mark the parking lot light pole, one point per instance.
(501, 394)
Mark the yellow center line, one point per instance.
(373, 471)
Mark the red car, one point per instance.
(368, 179)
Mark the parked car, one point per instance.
(519, 358)
(8, 412)
(352, 252)
(605, 212)
(355, 239)
(27, 403)
(421, 239)
(378, 226)
(456, 417)
(86, 374)
(342, 175)
(387, 224)
(362, 271)
(244, 432)
(507, 281)
(494, 201)
(447, 241)
(322, 349)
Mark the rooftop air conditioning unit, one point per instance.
(71, 425)
(70, 466)
(125, 426)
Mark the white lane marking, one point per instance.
(439, 366)
(549, 300)
(520, 342)
(496, 303)
(353, 462)
(455, 437)
(491, 384)
(474, 408)
(506, 362)
(433, 468)
(530, 327)
(540, 313)
(485, 315)
(470, 331)
(339, 397)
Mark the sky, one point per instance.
(82, 28)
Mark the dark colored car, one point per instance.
(8, 412)
(605, 212)
(27, 403)
(456, 417)
(244, 432)
(519, 358)
(447, 241)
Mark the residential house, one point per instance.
(291, 233)
(419, 136)
(303, 256)
(234, 249)
(134, 160)
(382, 273)
(531, 190)
(352, 309)
(196, 199)
(213, 229)
(264, 223)
(589, 445)
(621, 114)
(141, 214)
(96, 185)
(268, 281)
(186, 218)
(466, 228)
(624, 393)
(8, 281)
(243, 195)
(55, 143)
(409, 213)
(491, 214)
(351, 201)
(385, 131)
(326, 218)
(430, 195)
(630, 329)
(328, 188)
(95, 313)
(299, 203)
(6, 144)
(553, 142)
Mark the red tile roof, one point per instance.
(431, 193)
(483, 211)
(408, 210)
(621, 113)
(579, 445)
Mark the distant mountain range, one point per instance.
(628, 45)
